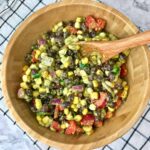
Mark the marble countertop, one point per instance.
(12, 137)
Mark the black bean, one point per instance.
(122, 56)
(92, 33)
(66, 104)
(66, 34)
(70, 23)
(29, 92)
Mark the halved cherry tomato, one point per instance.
(101, 102)
(100, 24)
(72, 30)
(90, 22)
(56, 125)
(88, 120)
(72, 127)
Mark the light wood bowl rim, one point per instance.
(7, 98)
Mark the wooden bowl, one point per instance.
(138, 74)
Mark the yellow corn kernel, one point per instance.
(24, 85)
(94, 95)
(124, 83)
(126, 88)
(85, 80)
(77, 25)
(83, 73)
(66, 64)
(70, 73)
(35, 93)
(42, 90)
(46, 83)
(83, 102)
(95, 83)
(76, 61)
(75, 109)
(65, 91)
(89, 133)
(89, 90)
(59, 73)
(35, 86)
(37, 54)
(28, 71)
(84, 60)
(63, 126)
(92, 107)
(87, 128)
(78, 118)
(38, 118)
(66, 111)
(76, 100)
(38, 81)
(45, 74)
(26, 78)
(25, 68)
(47, 90)
(111, 109)
(79, 32)
(73, 106)
(84, 111)
(38, 104)
(124, 94)
(69, 116)
(46, 120)
(50, 78)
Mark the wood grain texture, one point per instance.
(111, 48)
(138, 74)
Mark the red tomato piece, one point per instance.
(90, 22)
(118, 103)
(88, 120)
(123, 71)
(101, 102)
(98, 123)
(34, 60)
(61, 108)
(56, 125)
(72, 30)
(100, 24)
(72, 127)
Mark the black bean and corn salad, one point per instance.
(71, 93)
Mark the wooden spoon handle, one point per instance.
(129, 42)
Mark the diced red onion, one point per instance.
(77, 88)
(41, 42)
(56, 101)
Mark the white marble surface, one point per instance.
(12, 137)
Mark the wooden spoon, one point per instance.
(111, 48)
